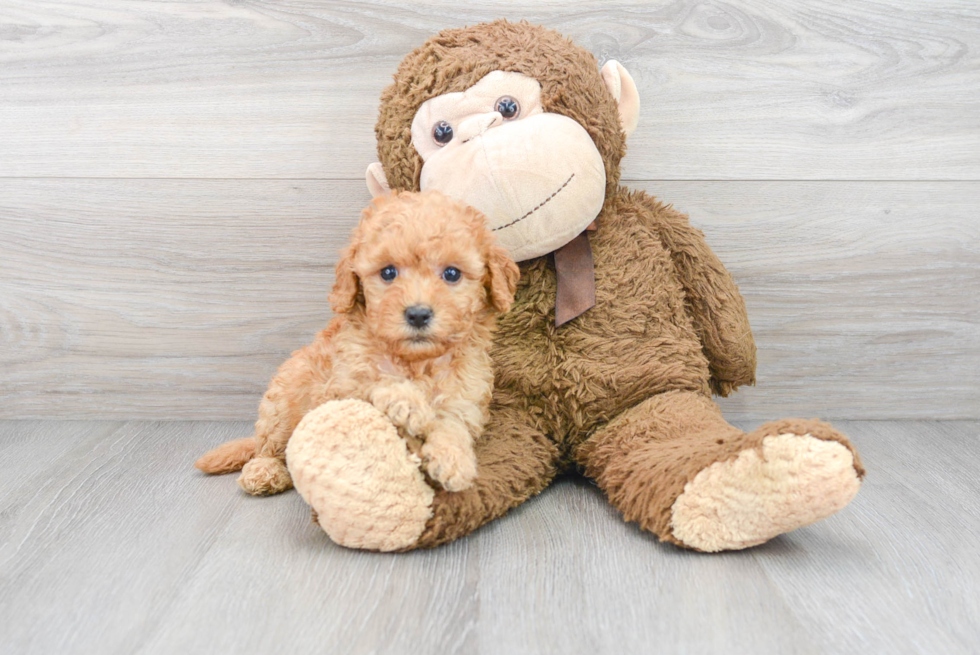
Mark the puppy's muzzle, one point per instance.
(418, 316)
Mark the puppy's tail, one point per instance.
(229, 456)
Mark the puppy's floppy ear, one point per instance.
(502, 277)
(346, 292)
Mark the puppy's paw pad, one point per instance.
(458, 482)
(419, 418)
(263, 476)
(411, 417)
(454, 470)
(399, 412)
(404, 412)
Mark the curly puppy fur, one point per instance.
(434, 381)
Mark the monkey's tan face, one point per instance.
(537, 176)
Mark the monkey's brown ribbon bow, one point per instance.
(575, 273)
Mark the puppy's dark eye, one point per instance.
(451, 274)
(442, 133)
(508, 107)
(389, 273)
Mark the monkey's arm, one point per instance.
(712, 298)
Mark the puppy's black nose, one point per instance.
(418, 316)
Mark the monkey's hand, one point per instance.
(405, 405)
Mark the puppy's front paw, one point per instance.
(406, 414)
(453, 467)
(414, 418)
(404, 410)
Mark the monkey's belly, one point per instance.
(636, 342)
(630, 349)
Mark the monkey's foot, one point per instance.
(365, 487)
(791, 481)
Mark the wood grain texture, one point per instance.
(582, 581)
(906, 541)
(178, 298)
(98, 541)
(797, 89)
(118, 546)
(864, 297)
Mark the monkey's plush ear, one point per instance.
(503, 275)
(377, 181)
(623, 89)
(346, 287)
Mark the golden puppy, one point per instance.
(416, 297)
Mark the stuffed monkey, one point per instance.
(624, 325)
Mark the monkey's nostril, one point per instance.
(418, 316)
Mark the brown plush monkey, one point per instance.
(521, 123)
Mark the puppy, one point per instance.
(416, 297)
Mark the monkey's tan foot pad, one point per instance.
(349, 464)
(791, 481)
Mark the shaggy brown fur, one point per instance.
(623, 390)
(433, 381)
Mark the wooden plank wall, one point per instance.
(176, 178)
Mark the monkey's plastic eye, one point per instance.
(442, 133)
(508, 108)
(451, 274)
(389, 273)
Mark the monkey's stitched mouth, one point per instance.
(539, 206)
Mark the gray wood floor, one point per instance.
(112, 543)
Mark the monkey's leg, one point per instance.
(675, 466)
(367, 490)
